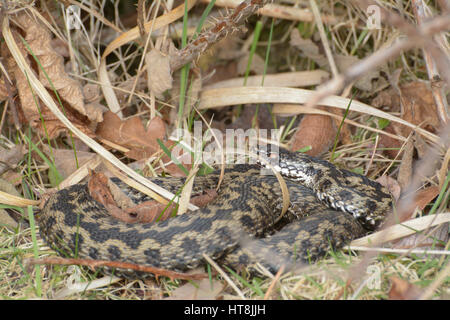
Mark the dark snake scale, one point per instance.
(328, 208)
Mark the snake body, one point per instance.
(328, 208)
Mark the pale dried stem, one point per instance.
(324, 38)
(224, 275)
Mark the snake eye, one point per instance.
(133, 214)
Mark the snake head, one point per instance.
(275, 155)
(266, 154)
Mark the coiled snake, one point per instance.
(329, 207)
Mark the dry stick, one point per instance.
(274, 281)
(116, 264)
(279, 11)
(419, 38)
(220, 30)
(437, 88)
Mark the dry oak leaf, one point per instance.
(403, 290)
(391, 185)
(140, 142)
(51, 65)
(116, 202)
(433, 240)
(159, 73)
(416, 105)
(317, 131)
(39, 39)
(66, 163)
(205, 289)
(101, 189)
(10, 157)
(132, 135)
(419, 200)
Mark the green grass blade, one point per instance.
(38, 280)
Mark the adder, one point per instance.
(328, 208)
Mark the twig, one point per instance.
(116, 264)
(220, 30)
(279, 11)
(274, 281)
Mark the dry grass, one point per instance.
(327, 279)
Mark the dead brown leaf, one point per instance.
(308, 48)
(256, 67)
(152, 211)
(419, 200)
(159, 72)
(91, 92)
(403, 290)
(54, 127)
(66, 163)
(249, 118)
(132, 134)
(392, 185)
(203, 290)
(98, 189)
(425, 240)
(51, 65)
(140, 142)
(10, 157)
(60, 47)
(117, 203)
(416, 105)
(317, 131)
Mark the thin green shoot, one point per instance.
(37, 269)
(51, 165)
(336, 138)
